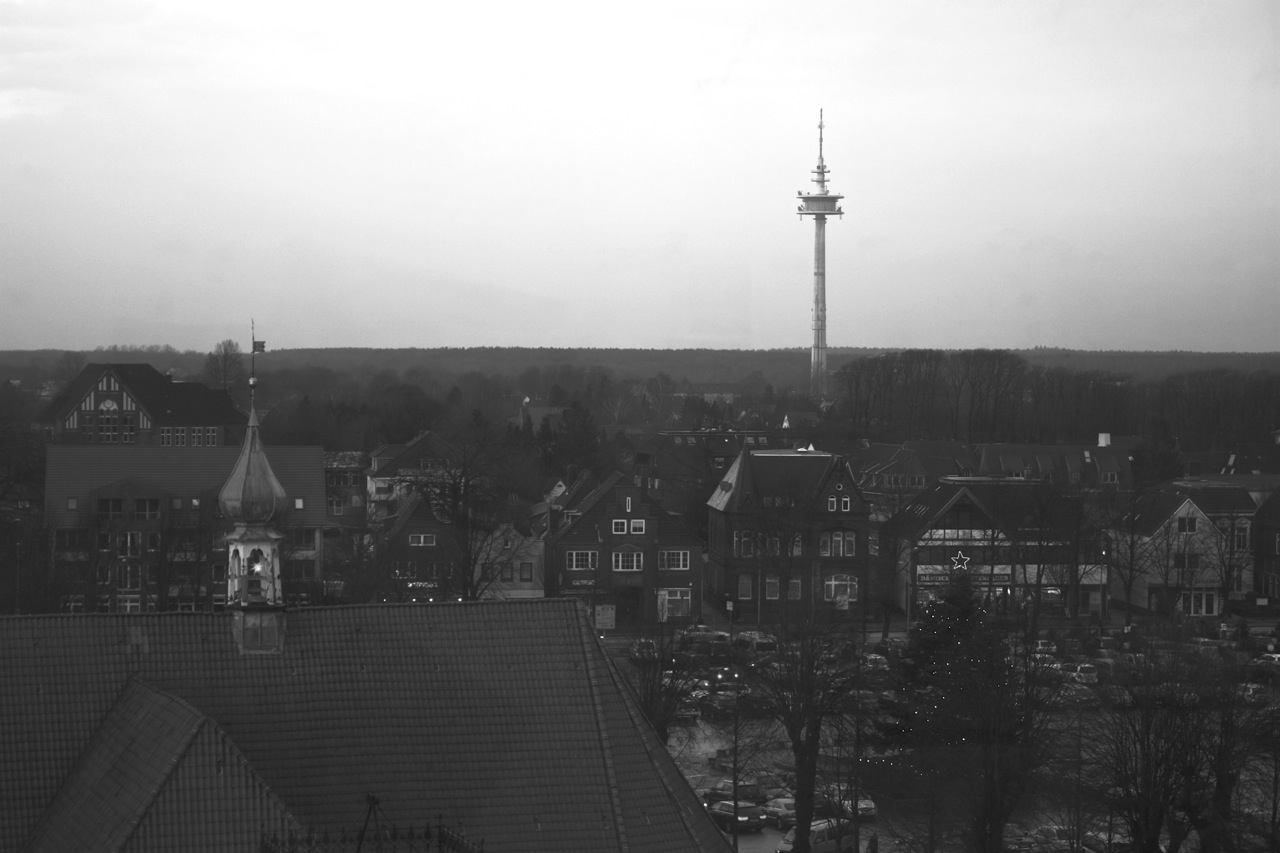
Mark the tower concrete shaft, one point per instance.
(818, 355)
(819, 205)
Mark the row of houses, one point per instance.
(315, 728)
(697, 521)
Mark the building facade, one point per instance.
(138, 529)
(788, 538)
(124, 405)
(620, 552)
(1024, 545)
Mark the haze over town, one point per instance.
(1093, 175)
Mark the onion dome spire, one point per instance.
(252, 494)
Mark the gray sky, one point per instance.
(1093, 175)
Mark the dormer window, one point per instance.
(259, 632)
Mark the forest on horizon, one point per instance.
(781, 368)
(358, 398)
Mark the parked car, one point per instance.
(891, 647)
(727, 699)
(748, 792)
(831, 807)
(1081, 673)
(1253, 694)
(1051, 839)
(831, 836)
(749, 645)
(873, 663)
(1074, 695)
(771, 785)
(643, 651)
(1045, 647)
(745, 816)
(780, 812)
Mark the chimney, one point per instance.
(1104, 439)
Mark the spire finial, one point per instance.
(257, 347)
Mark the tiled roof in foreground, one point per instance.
(506, 718)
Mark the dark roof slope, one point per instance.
(74, 470)
(507, 718)
(167, 402)
(151, 753)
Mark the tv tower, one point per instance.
(819, 205)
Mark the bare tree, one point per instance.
(1229, 557)
(224, 367)
(804, 690)
(469, 493)
(69, 365)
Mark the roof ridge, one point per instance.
(136, 690)
(606, 747)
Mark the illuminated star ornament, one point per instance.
(960, 562)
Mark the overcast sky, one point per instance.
(1093, 175)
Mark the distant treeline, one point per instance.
(781, 368)
(349, 398)
(1000, 396)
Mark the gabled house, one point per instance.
(396, 470)
(346, 527)
(889, 480)
(425, 556)
(788, 536)
(681, 467)
(128, 405)
(619, 549)
(505, 723)
(1167, 556)
(1023, 543)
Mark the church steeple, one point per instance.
(252, 499)
(252, 494)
